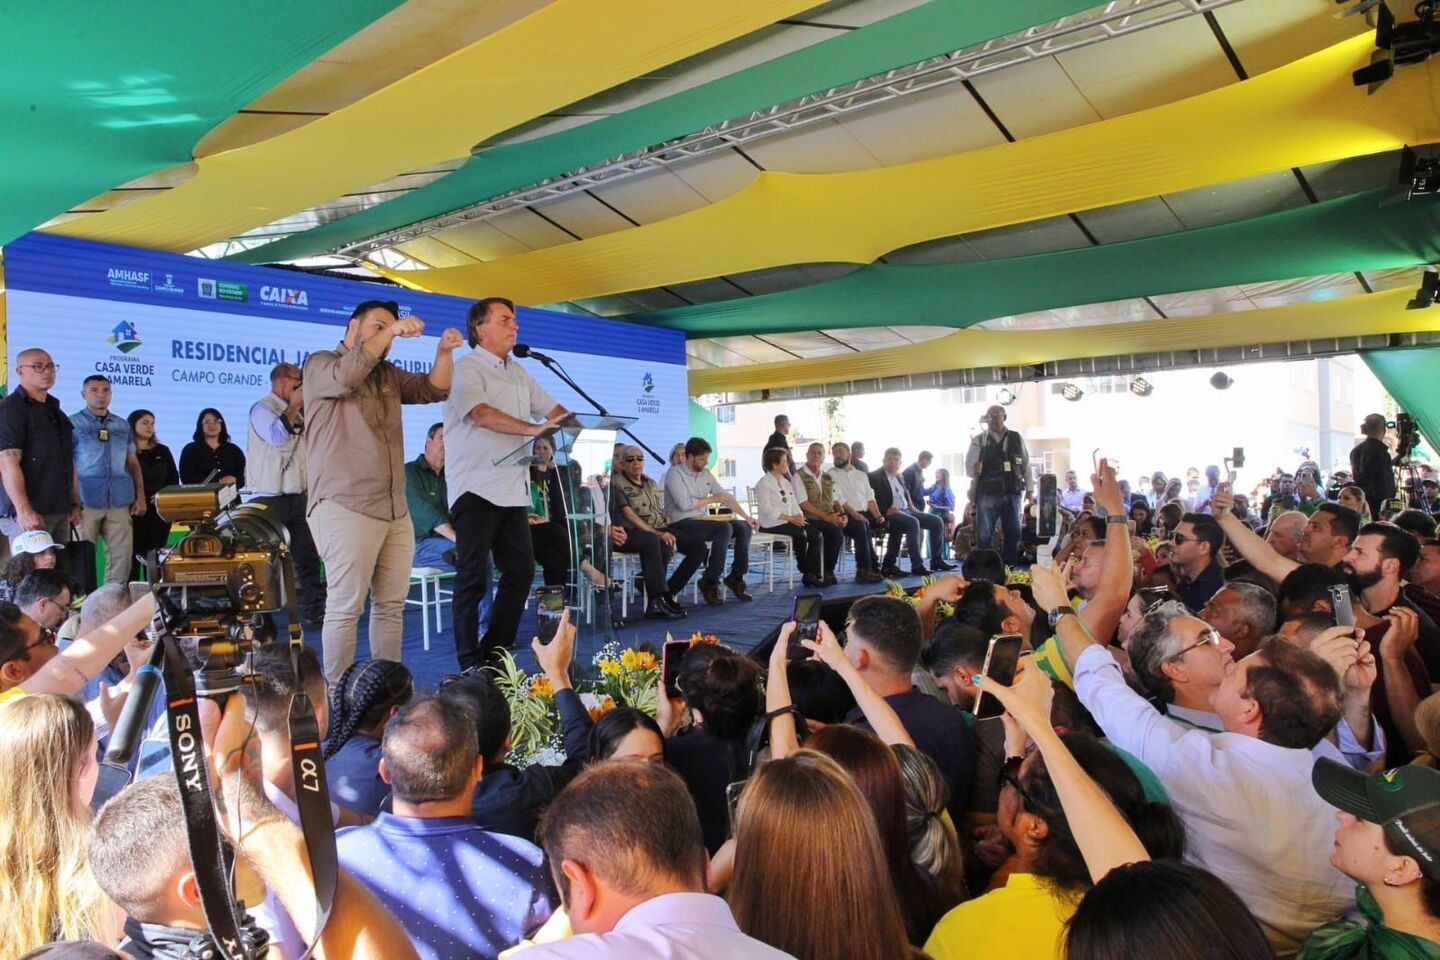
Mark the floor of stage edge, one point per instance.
(738, 624)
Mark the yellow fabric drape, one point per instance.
(564, 52)
(1305, 112)
(1318, 320)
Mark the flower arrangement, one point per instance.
(622, 676)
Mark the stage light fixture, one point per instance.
(1141, 387)
(1429, 290)
(1004, 397)
(1071, 392)
(1221, 380)
(1398, 44)
(1418, 177)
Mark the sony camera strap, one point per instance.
(312, 793)
(209, 857)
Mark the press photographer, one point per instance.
(1371, 462)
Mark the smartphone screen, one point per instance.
(1340, 609)
(1001, 659)
(672, 655)
(1237, 457)
(1045, 525)
(733, 790)
(806, 614)
(549, 607)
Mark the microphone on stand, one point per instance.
(523, 351)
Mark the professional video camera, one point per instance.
(1407, 433)
(216, 583)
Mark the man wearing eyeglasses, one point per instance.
(1195, 556)
(275, 472)
(39, 486)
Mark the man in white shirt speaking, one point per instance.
(493, 404)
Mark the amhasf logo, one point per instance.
(648, 382)
(125, 337)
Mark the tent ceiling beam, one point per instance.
(1121, 365)
(1115, 19)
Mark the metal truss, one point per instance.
(1120, 365)
(1115, 19)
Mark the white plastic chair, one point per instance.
(432, 597)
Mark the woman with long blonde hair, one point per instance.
(48, 766)
(934, 844)
(811, 877)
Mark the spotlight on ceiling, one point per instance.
(1071, 392)
(1141, 387)
(1429, 290)
(1418, 177)
(1221, 380)
(1004, 397)
(1399, 44)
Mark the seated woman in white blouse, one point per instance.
(779, 512)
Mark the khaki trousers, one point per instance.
(363, 556)
(111, 524)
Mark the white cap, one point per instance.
(33, 541)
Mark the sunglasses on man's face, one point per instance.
(1178, 538)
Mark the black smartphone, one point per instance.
(1340, 609)
(672, 655)
(1049, 501)
(1001, 659)
(806, 614)
(549, 608)
(1237, 457)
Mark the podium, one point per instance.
(577, 494)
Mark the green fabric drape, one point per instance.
(93, 95)
(1409, 374)
(1337, 236)
(702, 425)
(935, 28)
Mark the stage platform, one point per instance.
(737, 624)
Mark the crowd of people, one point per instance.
(1220, 741)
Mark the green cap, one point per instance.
(1405, 801)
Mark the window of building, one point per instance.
(727, 465)
(725, 413)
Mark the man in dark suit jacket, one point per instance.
(902, 519)
(914, 478)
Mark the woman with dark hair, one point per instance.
(778, 511)
(211, 452)
(549, 525)
(876, 771)
(157, 470)
(1167, 518)
(29, 551)
(626, 734)
(368, 695)
(1072, 810)
(811, 877)
(941, 497)
(1188, 914)
(1140, 513)
(722, 690)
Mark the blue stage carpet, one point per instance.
(739, 625)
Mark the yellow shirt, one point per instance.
(14, 693)
(1022, 919)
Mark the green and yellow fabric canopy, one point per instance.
(202, 128)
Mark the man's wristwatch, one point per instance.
(1117, 518)
(1055, 615)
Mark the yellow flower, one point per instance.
(609, 668)
(627, 659)
(541, 687)
(644, 660)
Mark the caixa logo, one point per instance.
(284, 297)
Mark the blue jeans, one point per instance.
(1006, 508)
(430, 552)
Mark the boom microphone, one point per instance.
(523, 351)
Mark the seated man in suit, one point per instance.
(903, 518)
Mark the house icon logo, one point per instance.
(648, 383)
(125, 337)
